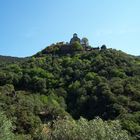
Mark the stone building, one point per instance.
(75, 38)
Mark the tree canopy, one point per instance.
(38, 92)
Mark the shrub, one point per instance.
(97, 129)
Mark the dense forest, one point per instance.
(75, 94)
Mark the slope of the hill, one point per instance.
(103, 83)
(8, 59)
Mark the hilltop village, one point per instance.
(75, 44)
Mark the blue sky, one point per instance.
(27, 26)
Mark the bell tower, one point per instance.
(75, 38)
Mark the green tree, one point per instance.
(97, 129)
(38, 84)
(6, 128)
(85, 42)
(76, 46)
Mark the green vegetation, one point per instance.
(70, 93)
(82, 129)
(76, 46)
(6, 128)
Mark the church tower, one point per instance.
(75, 38)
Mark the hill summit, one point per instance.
(76, 44)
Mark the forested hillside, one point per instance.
(74, 95)
(8, 59)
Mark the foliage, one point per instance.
(6, 128)
(104, 83)
(76, 46)
(82, 129)
(131, 122)
(85, 41)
